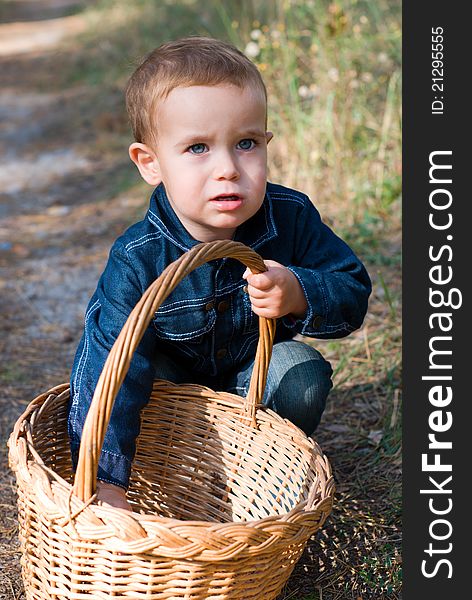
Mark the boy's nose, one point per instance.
(226, 168)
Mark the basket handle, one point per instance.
(119, 358)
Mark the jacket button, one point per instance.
(317, 322)
(221, 353)
(209, 305)
(222, 306)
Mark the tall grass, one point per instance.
(333, 75)
(332, 71)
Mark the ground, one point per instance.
(54, 237)
(59, 213)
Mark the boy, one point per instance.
(198, 108)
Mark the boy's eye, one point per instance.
(197, 148)
(246, 144)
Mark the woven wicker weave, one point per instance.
(225, 494)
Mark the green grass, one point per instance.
(10, 373)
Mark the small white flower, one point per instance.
(333, 74)
(304, 91)
(252, 49)
(256, 34)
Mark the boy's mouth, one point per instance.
(227, 201)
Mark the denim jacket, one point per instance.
(206, 324)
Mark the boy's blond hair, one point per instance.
(180, 63)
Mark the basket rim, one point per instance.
(118, 530)
(18, 433)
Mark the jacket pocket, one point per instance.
(184, 321)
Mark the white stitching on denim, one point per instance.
(321, 286)
(186, 350)
(116, 455)
(291, 199)
(174, 241)
(248, 341)
(203, 300)
(309, 316)
(298, 199)
(334, 328)
(83, 357)
(271, 215)
(159, 223)
(187, 335)
(72, 418)
(268, 235)
(106, 480)
(165, 232)
(231, 287)
(212, 360)
(247, 313)
(168, 307)
(142, 240)
(233, 328)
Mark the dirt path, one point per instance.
(54, 237)
(37, 26)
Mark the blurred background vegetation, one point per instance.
(333, 73)
(333, 76)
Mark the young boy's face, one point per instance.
(211, 155)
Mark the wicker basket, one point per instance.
(225, 493)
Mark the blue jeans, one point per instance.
(298, 382)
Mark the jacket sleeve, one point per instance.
(117, 293)
(335, 282)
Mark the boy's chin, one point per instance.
(222, 231)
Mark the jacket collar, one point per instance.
(254, 232)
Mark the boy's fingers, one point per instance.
(261, 281)
(255, 293)
(259, 303)
(265, 311)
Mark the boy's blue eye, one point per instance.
(246, 144)
(197, 148)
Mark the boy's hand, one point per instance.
(276, 292)
(112, 495)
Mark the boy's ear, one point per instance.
(269, 136)
(146, 160)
